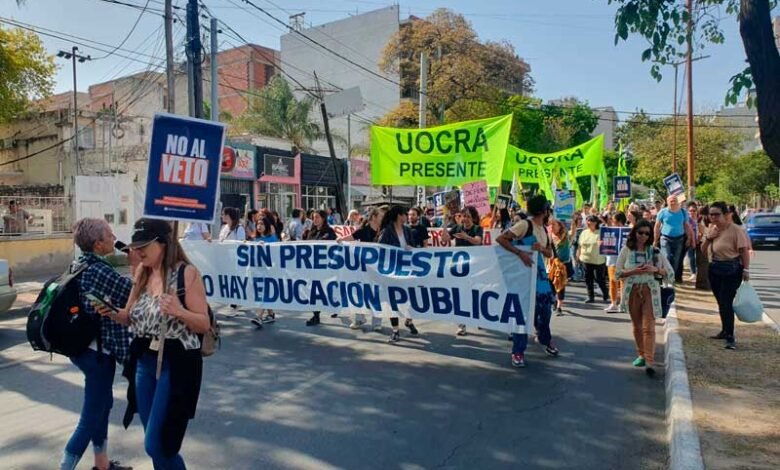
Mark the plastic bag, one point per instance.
(747, 304)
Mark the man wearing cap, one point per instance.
(98, 362)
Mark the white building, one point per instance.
(608, 121)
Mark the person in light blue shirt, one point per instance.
(673, 233)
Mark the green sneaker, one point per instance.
(639, 362)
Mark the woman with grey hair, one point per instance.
(110, 346)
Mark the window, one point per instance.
(318, 197)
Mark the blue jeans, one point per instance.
(692, 259)
(98, 369)
(152, 396)
(673, 248)
(542, 317)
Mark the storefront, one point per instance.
(360, 188)
(318, 181)
(237, 178)
(279, 182)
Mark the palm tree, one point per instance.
(276, 112)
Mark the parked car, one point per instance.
(764, 229)
(7, 289)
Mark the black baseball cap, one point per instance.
(146, 231)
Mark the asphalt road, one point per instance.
(291, 397)
(765, 277)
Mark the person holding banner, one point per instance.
(165, 365)
(419, 231)
(368, 233)
(595, 264)
(640, 268)
(320, 230)
(394, 232)
(466, 234)
(532, 232)
(266, 233)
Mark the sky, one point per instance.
(568, 43)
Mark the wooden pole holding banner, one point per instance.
(420, 193)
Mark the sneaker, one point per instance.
(269, 318)
(257, 322)
(692, 278)
(334, 315)
(650, 371)
(356, 324)
(721, 335)
(395, 337)
(461, 330)
(313, 321)
(613, 309)
(551, 350)
(590, 301)
(115, 465)
(610, 308)
(518, 360)
(559, 312)
(639, 362)
(413, 329)
(731, 344)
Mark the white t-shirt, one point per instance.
(238, 234)
(402, 239)
(195, 231)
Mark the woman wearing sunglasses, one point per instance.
(728, 248)
(641, 269)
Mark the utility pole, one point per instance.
(674, 121)
(423, 101)
(340, 204)
(73, 54)
(195, 60)
(169, 61)
(689, 68)
(214, 70)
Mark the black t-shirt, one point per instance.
(419, 235)
(325, 233)
(365, 234)
(474, 231)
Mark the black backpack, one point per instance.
(57, 322)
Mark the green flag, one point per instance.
(584, 160)
(572, 185)
(447, 155)
(603, 190)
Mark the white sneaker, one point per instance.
(692, 277)
(356, 324)
(612, 309)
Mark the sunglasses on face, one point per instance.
(643, 233)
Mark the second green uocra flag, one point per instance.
(447, 155)
(583, 160)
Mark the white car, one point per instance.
(7, 289)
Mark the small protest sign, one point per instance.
(613, 239)
(564, 205)
(503, 201)
(184, 164)
(622, 187)
(675, 186)
(476, 194)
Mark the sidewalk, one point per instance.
(735, 393)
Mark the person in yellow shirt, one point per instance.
(595, 264)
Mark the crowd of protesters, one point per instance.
(166, 289)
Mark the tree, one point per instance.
(26, 72)
(275, 112)
(715, 149)
(747, 176)
(541, 128)
(461, 67)
(664, 24)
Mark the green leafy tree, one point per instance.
(650, 141)
(461, 67)
(26, 72)
(275, 112)
(665, 25)
(748, 176)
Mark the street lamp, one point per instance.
(73, 54)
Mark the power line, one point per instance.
(129, 33)
(58, 144)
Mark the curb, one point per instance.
(684, 445)
(770, 322)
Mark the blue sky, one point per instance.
(568, 43)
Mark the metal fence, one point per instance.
(42, 215)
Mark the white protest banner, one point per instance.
(455, 285)
(489, 237)
(476, 194)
